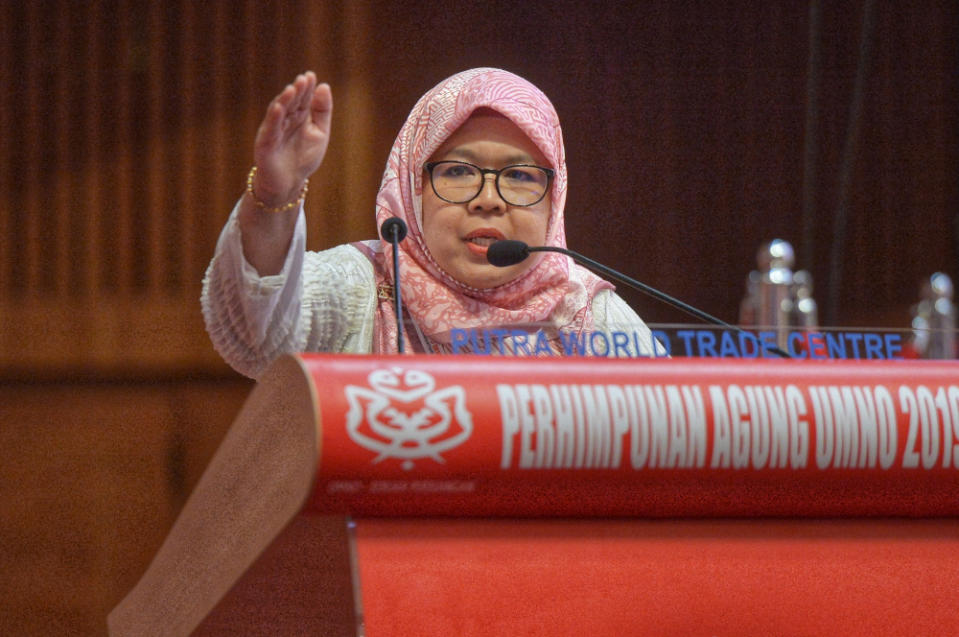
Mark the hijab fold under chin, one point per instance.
(555, 292)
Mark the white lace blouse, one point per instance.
(320, 302)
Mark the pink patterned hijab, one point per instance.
(555, 291)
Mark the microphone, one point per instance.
(508, 252)
(394, 230)
(393, 226)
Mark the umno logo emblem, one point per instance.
(402, 415)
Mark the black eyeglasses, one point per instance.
(517, 185)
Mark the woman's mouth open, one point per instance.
(479, 241)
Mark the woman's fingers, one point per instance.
(305, 85)
(292, 139)
(321, 107)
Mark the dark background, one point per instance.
(695, 132)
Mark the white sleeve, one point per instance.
(612, 314)
(320, 301)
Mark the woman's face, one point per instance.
(457, 235)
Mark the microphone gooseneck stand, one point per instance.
(509, 252)
(394, 230)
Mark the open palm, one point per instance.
(292, 139)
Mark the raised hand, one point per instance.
(290, 145)
(292, 140)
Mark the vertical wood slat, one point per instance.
(43, 140)
(250, 77)
(6, 124)
(108, 275)
(89, 235)
(219, 195)
(321, 216)
(190, 197)
(176, 158)
(81, 25)
(359, 177)
(64, 179)
(33, 175)
(157, 175)
(185, 195)
(203, 140)
(122, 194)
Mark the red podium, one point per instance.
(487, 496)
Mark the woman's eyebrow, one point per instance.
(469, 155)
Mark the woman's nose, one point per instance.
(488, 199)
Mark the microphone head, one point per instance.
(507, 252)
(393, 228)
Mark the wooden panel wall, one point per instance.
(695, 132)
(128, 131)
(92, 475)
